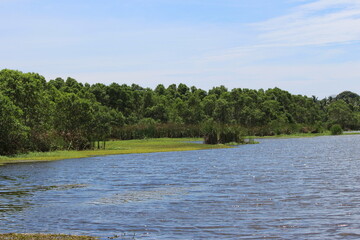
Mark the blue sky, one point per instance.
(308, 47)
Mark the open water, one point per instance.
(305, 188)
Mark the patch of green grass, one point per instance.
(116, 147)
(27, 236)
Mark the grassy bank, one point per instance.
(116, 147)
(18, 236)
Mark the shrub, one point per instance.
(336, 129)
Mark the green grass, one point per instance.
(116, 147)
(26, 236)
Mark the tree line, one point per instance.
(40, 115)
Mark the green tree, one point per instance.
(222, 111)
(209, 104)
(195, 113)
(340, 113)
(13, 134)
(157, 112)
(160, 89)
(183, 91)
(100, 126)
(100, 92)
(29, 92)
(73, 120)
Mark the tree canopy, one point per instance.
(40, 115)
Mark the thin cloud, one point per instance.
(321, 22)
(310, 24)
(310, 51)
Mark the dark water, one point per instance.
(279, 189)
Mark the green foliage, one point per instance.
(336, 129)
(215, 133)
(73, 120)
(64, 114)
(222, 111)
(145, 129)
(13, 133)
(228, 134)
(339, 112)
(210, 131)
(348, 97)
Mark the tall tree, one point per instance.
(13, 134)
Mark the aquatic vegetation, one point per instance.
(61, 187)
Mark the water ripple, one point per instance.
(279, 189)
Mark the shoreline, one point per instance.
(117, 147)
(303, 135)
(153, 145)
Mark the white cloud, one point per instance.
(310, 50)
(320, 22)
(314, 24)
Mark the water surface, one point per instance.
(279, 189)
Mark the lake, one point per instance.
(304, 188)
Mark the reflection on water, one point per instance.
(279, 189)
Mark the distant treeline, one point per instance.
(40, 115)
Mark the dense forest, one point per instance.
(40, 115)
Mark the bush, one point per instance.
(216, 133)
(336, 129)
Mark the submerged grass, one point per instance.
(116, 147)
(26, 236)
